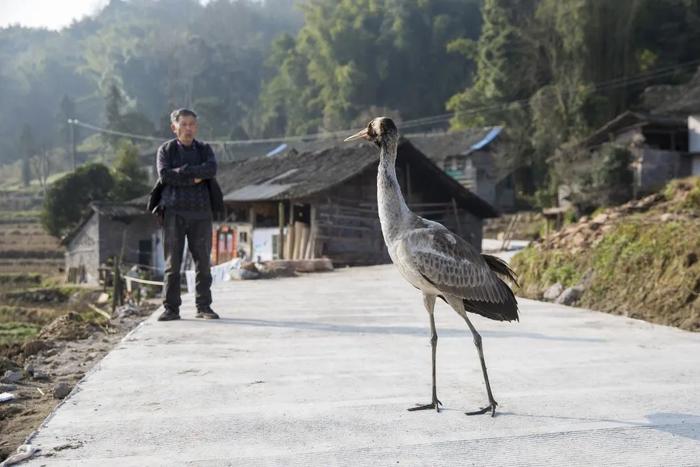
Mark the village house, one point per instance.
(290, 205)
(663, 147)
(331, 195)
(469, 157)
(113, 230)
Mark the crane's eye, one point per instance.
(370, 131)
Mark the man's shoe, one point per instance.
(169, 315)
(206, 313)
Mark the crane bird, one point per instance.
(435, 260)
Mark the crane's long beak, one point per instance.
(360, 134)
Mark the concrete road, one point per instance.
(319, 370)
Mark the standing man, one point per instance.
(185, 167)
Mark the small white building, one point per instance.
(694, 143)
(114, 230)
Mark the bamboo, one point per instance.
(297, 238)
(314, 231)
(289, 244)
(304, 241)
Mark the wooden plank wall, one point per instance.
(350, 233)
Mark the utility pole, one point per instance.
(72, 122)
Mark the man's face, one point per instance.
(185, 128)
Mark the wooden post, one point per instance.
(280, 238)
(459, 224)
(117, 291)
(251, 215)
(289, 244)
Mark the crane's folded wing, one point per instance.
(453, 266)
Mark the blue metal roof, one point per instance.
(486, 140)
(277, 150)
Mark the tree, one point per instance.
(114, 104)
(122, 120)
(27, 147)
(66, 111)
(41, 166)
(128, 176)
(550, 71)
(349, 56)
(67, 200)
(506, 61)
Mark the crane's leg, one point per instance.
(477, 342)
(429, 302)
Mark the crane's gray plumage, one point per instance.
(453, 267)
(435, 260)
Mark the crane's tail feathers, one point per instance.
(507, 311)
(499, 266)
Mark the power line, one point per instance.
(599, 87)
(283, 139)
(614, 83)
(74, 121)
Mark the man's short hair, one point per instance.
(176, 114)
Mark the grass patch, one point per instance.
(18, 314)
(684, 194)
(49, 296)
(7, 216)
(645, 270)
(537, 271)
(20, 278)
(17, 332)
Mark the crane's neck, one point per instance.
(393, 211)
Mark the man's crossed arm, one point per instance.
(187, 174)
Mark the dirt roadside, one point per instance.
(42, 371)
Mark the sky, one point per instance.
(51, 14)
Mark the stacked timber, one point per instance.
(299, 242)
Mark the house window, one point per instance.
(243, 237)
(658, 140)
(145, 252)
(470, 171)
(449, 164)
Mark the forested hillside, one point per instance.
(549, 70)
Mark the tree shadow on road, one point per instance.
(402, 330)
(677, 424)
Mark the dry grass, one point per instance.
(644, 267)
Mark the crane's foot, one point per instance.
(434, 405)
(491, 408)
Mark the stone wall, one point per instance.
(656, 167)
(83, 249)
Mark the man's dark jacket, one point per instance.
(216, 196)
